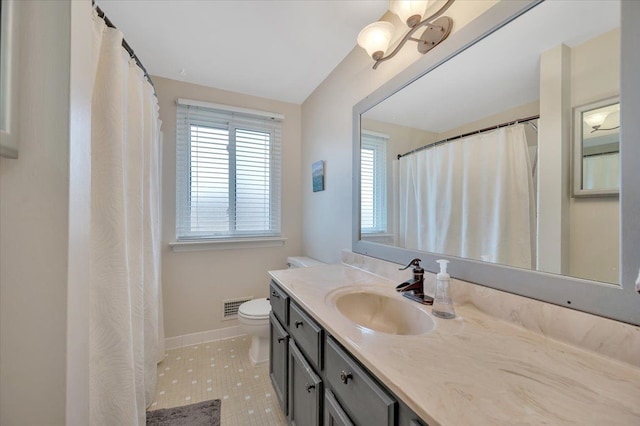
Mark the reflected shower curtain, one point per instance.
(471, 197)
(125, 236)
(601, 171)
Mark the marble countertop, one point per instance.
(474, 369)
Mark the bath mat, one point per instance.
(206, 413)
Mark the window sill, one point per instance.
(382, 238)
(227, 243)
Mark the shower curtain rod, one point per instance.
(125, 45)
(475, 132)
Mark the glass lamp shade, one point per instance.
(612, 120)
(375, 38)
(596, 119)
(405, 9)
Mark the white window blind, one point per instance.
(373, 183)
(228, 173)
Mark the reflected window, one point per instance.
(373, 185)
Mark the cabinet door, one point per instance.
(305, 390)
(334, 415)
(365, 401)
(278, 361)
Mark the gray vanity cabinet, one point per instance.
(317, 381)
(279, 361)
(305, 390)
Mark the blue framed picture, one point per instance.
(317, 176)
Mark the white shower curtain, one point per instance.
(125, 236)
(601, 171)
(471, 197)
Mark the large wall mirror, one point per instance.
(472, 158)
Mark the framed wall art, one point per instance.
(317, 176)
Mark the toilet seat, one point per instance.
(255, 309)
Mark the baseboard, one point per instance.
(201, 337)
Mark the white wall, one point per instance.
(327, 133)
(595, 75)
(569, 226)
(34, 199)
(554, 160)
(195, 283)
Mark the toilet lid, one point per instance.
(256, 308)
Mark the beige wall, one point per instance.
(521, 111)
(195, 283)
(401, 139)
(34, 197)
(595, 75)
(327, 135)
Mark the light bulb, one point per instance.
(375, 38)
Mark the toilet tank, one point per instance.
(302, 262)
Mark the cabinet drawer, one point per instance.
(279, 303)
(279, 361)
(307, 334)
(364, 401)
(305, 390)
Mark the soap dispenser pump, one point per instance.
(442, 303)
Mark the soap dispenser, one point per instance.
(442, 303)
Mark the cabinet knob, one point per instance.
(308, 387)
(298, 323)
(274, 294)
(280, 339)
(344, 377)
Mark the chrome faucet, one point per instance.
(414, 288)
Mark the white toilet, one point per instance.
(253, 317)
(254, 321)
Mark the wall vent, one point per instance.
(230, 307)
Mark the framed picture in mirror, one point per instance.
(596, 149)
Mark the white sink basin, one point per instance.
(384, 314)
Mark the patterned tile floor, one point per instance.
(219, 370)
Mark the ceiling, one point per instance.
(500, 72)
(273, 49)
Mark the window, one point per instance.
(373, 185)
(228, 172)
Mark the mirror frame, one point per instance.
(618, 302)
(9, 79)
(578, 145)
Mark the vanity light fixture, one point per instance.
(375, 38)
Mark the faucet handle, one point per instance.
(415, 262)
